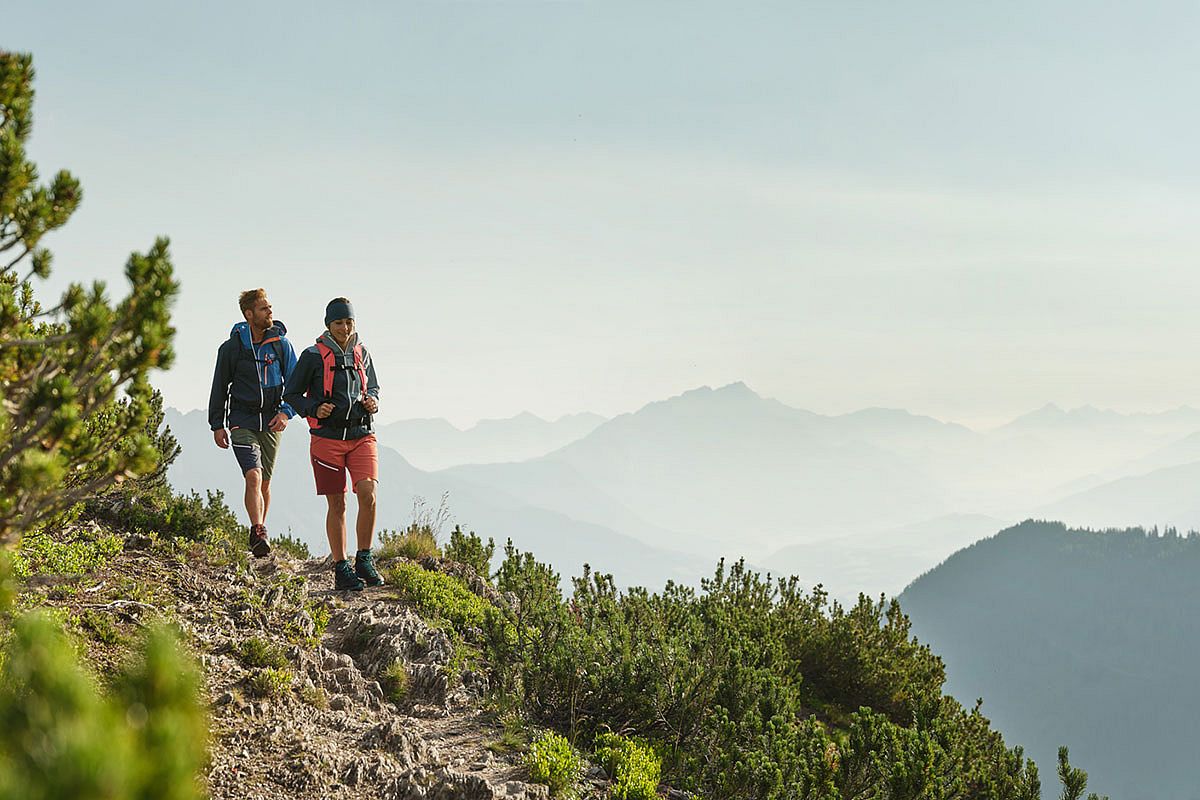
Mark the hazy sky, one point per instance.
(963, 209)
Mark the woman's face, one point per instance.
(341, 329)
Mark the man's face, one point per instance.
(260, 315)
(341, 329)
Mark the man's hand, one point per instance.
(370, 404)
(324, 410)
(278, 422)
(221, 437)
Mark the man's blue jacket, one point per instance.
(247, 387)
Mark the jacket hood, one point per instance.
(242, 331)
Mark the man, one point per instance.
(335, 387)
(247, 391)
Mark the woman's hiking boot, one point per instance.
(258, 541)
(344, 577)
(364, 567)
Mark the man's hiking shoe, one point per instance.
(344, 577)
(258, 541)
(364, 567)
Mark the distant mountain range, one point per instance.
(565, 541)
(863, 501)
(1078, 638)
(433, 444)
(1164, 497)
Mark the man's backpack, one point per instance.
(264, 363)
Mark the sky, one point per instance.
(963, 209)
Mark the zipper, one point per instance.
(262, 415)
(350, 397)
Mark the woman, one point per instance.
(334, 386)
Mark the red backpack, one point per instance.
(329, 361)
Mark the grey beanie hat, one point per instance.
(338, 310)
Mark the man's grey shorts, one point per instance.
(255, 450)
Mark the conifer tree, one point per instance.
(66, 433)
(65, 430)
(1074, 780)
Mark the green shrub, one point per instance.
(271, 682)
(42, 553)
(59, 737)
(723, 684)
(291, 546)
(551, 760)
(319, 612)
(634, 767)
(100, 626)
(441, 595)
(411, 543)
(159, 511)
(256, 652)
(395, 682)
(469, 549)
(162, 692)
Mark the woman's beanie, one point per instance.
(338, 309)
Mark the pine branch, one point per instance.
(16, 260)
(62, 337)
(48, 312)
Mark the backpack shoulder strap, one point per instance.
(327, 362)
(277, 346)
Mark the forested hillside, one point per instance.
(1076, 636)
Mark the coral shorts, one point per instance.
(332, 457)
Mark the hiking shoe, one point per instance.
(258, 541)
(364, 567)
(344, 577)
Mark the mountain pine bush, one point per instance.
(65, 432)
(750, 688)
(77, 417)
(469, 549)
(59, 737)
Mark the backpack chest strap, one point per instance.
(333, 362)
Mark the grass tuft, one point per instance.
(256, 652)
(271, 682)
(315, 696)
(395, 682)
(291, 546)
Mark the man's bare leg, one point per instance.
(254, 497)
(335, 525)
(266, 497)
(365, 524)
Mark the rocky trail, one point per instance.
(296, 674)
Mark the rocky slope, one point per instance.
(296, 673)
